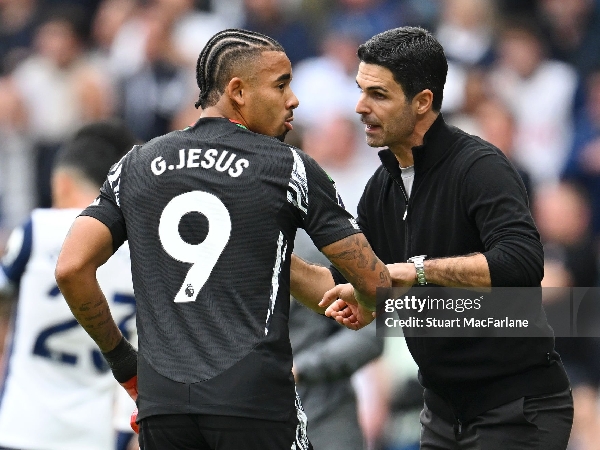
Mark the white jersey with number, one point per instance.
(57, 392)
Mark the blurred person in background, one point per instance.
(150, 97)
(583, 163)
(366, 18)
(276, 19)
(17, 180)
(191, 27)
(540, 92)
(18, 22)
(496, 124)
(466, 30)
(57, 391)
(464, 93)
(107, 23)
(326, 83)
(572, 31)
(59, 89)
(328, 358)
(563, 216)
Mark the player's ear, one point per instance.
(235, 90)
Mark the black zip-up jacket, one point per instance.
(466, 198)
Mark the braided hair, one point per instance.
(222, 53)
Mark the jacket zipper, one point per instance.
(406, 240)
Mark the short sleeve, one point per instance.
(106, 208)
(323, 215)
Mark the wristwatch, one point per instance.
(420, 268)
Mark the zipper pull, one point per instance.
(405, 212)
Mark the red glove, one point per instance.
(131, 387)
(132, 421)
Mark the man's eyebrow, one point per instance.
(372, 88)
(284, 77)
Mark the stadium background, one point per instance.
(524, 74)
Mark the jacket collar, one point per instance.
(435, 144)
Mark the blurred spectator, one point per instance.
(366, 18)
(572, 31)
(497, 125)
(191, 28)
(326, 85)
(464, 91)
(326, 355)
(59, 88)
(562, 215)
(18, 21)
(152, 96)
(467, 31)
(583, 163)
(322, 348)
(106, 26)
(338, 145)
(540, 93)
(399, 396)
(517, 7)
(270, 17)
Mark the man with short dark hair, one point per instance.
(454, 207)
(210, 213)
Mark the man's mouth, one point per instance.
(288, 124)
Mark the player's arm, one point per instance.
(309, 282)
(87, 246)
(314, 286)
(355, 259)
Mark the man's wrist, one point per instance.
(122, 361)
(419, 264)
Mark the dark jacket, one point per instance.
(466, 198)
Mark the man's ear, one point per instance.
(423, 101)
(235, 90)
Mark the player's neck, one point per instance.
(227, 113)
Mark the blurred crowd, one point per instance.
(524, 75)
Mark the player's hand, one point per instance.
(131, 387)
(132, 421)
(344, 308)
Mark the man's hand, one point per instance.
(131, 387)
(344, 308)
(133, 421)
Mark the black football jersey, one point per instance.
(211, 213)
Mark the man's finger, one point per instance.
(330, 296)
(339, 307)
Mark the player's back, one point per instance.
(211, 213)
(58, 391)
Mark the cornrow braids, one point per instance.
(219, 56)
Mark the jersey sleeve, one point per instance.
(323, 215)
(107, 209)
(16, 256)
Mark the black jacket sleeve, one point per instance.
(496, 199)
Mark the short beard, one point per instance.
(281, 137)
